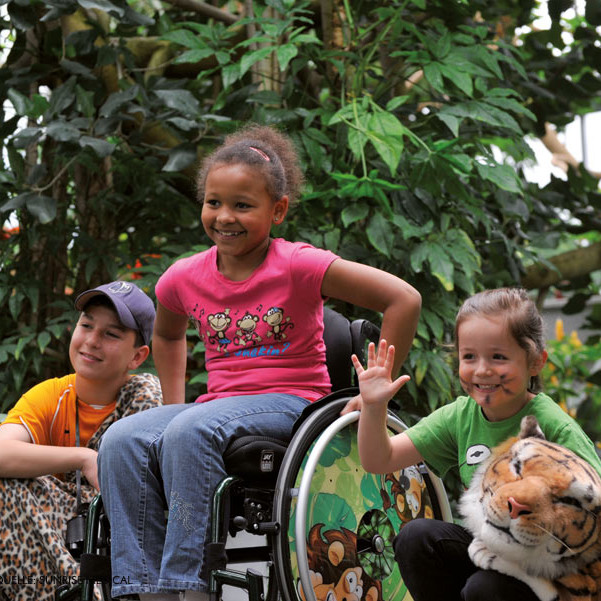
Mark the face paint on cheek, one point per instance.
(466, 385)
(504, 383)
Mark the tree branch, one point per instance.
(566, 266)
(206, 9)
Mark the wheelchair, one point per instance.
(327, 526)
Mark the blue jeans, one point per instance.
(171, 457)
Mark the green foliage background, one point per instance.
(410, 117)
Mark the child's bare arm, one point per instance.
(365, 286)
(20, 458)
(169, 353)
(397, 301)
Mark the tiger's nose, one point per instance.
(516, 509)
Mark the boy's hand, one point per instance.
(375, 382)
(89, 467)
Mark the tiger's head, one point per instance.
(536, 503)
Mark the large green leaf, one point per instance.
(458, 77)
(354, 212)
(441, 264)
(380, 234)
(22, 16)
(502, 176)
(113, 8)
(285, 54)
(63, 132)
(77, 69)
(251, 58)
(181, 157)
(356, 141)
(41, 206)
(385, 132)
(464, 253)
(19, 101)
(101, 147)
(409, 230)
(433, 73)
(62, 97)
(184, 37)
(115, 102)
(450, 121)
(230, 75)
(182, 101)
(27, 136)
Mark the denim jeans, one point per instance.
(434, 563)
(171, 457)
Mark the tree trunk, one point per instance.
(567, 266)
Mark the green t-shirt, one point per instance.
(459, 435)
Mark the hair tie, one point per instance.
(259, 151)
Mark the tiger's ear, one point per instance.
(529, 428)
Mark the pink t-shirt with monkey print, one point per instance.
(263, 334)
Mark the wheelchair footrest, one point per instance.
(96, 568)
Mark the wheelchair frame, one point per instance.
(271, 510)
(309, 443)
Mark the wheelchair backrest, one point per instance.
(343, 338)
(339, 347)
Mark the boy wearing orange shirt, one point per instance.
(55, 428)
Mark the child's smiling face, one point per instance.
(101, 348)
(493, 368)
(238, 213)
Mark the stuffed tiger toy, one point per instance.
(533, 508)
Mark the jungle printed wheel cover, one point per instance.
(352, 519)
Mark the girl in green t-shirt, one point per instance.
(501, 349)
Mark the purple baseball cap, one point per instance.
(133, 306)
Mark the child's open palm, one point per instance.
(375, 382)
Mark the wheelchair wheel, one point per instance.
(338, 521)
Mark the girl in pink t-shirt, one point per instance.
(257, 304)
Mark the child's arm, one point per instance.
(20, 458)
(379, 291)
(379, 453)
(169, 353)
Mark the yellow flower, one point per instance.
(559, 333)
(554, 381)
(563, 405)
(574, 340)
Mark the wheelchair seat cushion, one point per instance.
(255, 459)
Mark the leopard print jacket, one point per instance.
(34, 513)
